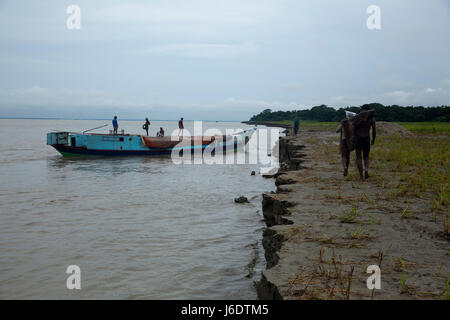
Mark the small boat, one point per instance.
(96, 144)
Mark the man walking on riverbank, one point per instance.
(115, 124)
(362, 141)
(296, 125)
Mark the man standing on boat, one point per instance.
(146, 125)
(115, 124)
(180, 127)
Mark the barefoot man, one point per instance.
(362, 141)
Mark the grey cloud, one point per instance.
(189, 57)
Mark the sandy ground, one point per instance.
(324, 230)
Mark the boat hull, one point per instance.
(169, 142)
(79, 151)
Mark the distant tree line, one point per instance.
(382, 113)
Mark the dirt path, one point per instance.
(325, 229)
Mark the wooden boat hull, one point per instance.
(167, 142)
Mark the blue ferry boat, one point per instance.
(95, 144)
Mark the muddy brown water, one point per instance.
(138, 227)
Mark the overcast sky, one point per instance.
(219, 59)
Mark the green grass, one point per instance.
(310, 125)
(427, 127)
(350, 216)
(416, 127)
(403, 277)
(355, 216)
(423, 163)
(447, 292)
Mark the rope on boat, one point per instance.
(95, 128)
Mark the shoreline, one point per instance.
(312, 252)
(268, 124)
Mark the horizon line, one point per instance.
(105, 119)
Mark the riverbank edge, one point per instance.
(268, 124)
(274, 209)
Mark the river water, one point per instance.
(138, 227)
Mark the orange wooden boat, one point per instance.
(168, 142)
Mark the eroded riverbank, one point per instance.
(324, 230)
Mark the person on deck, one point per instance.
(296, 125)
(146, 125)
(115, 124)
(160, 133)
(180, 127)
(362, 143)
